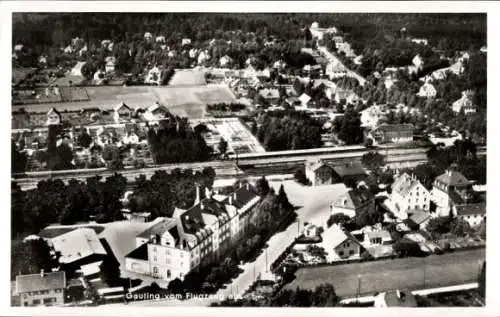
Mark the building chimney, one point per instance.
(42, 273)
(202, 206)
(230, 199)
(248, 186)
(208, 193)
(235, 196)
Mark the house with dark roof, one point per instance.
(353, 202)
(41, 289)
(392, 133)
(474, 214)
(350, 171)
(271, 95)
(319, 173)
(418, 219)
(450, 188)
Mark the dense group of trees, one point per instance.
(30, 257)
(53, 201)
(348, 127)
(175, 142)
(440, 226)
(165, 191)
(288, 130)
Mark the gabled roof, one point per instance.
(77, 244)
(452, 178)
(384, 234)
(352, 169)
(122, 105)
(419, 216)
(304, 98)
(404, 184)
(354, 198)
(37, 282)
(471, 209)
(242, 196)
(335, 235)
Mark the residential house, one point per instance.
(318, 33)
(335, 69)
(420, 41)
(473, 214)
(418, 62)
(450, 188)
(347, 96)
(377, 237)
(350, 171)
(353, 202)
(78, 247)
(156, 113)
(371, 116)
(153, 76)
(160, 39)
(18, 47)
(319, 173)
(148, 36)
(99, 77)
(271, 95)
(53, 117)
(464, 103)
(305, 100)
(279, 64)
(77, 69)
(225, 61)
(341, 245)
(311, 231)
(427, 90)
(395, 298)
(392, 133)
(122, 113)
(41, 289)
(407, 193)
(483, 49)
(358, 60)
(418, 219)
(185, 41)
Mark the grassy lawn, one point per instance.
(440, 270)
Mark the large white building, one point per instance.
(195, 237)
(448, 188)
(408, 194)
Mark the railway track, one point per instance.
(250, 164)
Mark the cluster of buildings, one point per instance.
(79, 253)
(196, 237)
(407, 206)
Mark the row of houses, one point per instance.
(452, 194)
(196, 237)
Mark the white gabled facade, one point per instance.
(409, 194)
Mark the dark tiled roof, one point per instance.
(242, 196)
(349, 170)
(395, 127)
(35, 282)
(158, 228)
(360, 196)
(471, 209)
(141, 253)
(419, 216)
(175, 234)
(192, 220)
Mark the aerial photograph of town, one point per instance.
(248, 159)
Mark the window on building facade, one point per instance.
(341, 253)
(36, 302)
(155, 270)
(169, 274)
(182, 255)
(155, 259)
(154, 249)
(351, 252)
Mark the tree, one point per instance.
(341, 219)
(111, 154)
(84, 139)
(373, 161)
(18, 159)
(348, 127)
(30, 257)
(262, 186)
(300, 177)
(222, 146)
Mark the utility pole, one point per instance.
(359, 286)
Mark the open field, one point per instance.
(438, 270)
(186, 101)
(187, 77)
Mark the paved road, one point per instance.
(314, 203)
(314, 208)
(455, 268)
